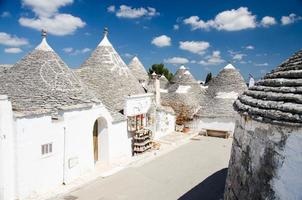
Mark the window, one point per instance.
(46, 149)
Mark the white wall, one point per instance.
(165, 124)
(120, 141)
(7, 153)
(37, 173)
(287, 183)
(226, 124)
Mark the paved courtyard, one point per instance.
(195, 170)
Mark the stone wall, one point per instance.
(265, 161)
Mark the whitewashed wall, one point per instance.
(287, 182)
(273, 153)
(36, 174)
(165, 123)
(226, 124)
(7, 146)
(120, 141)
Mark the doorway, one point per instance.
(100, 140)
(95, 141)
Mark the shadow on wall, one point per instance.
(212, 188)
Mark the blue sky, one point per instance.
(254, 35)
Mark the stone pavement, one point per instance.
(189, 170)
(167, 144)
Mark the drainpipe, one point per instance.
(64, 154)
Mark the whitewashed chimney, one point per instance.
(157, 88)
(251, 81)
(7, 154)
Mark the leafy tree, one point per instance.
(208, 78)
(160, 69)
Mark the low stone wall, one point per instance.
(266, 161)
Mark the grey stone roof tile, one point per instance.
(138, 69)
(277, 98)
(106, 74)
(41, 83)
(217, 102)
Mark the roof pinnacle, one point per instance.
(43, 33)
(106, 31)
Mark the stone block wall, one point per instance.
(265, 163)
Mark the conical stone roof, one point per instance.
(42, 83)
(183, 92)
(183, 76)
(106, 74)
(277, 98)
(138, 69)
(222, 91)
(164, 83)
(228, 80)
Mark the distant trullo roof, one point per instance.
(277, 98)
(106, 74)
(164, 83)
(42, 83)
(183, 92)
(183, 75)
(222, 91)
(138, 69)
(228, 79)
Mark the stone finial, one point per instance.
(106, 31)
(153, 75)
(43, 33)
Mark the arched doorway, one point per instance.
(100, 139)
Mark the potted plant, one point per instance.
(181, 119)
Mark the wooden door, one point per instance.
(95, 142)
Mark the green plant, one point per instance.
(160, 69)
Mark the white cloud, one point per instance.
(197, 47)
(238, 56)
(85, 50)
(111, 9)
(292, 18)
(5, 14)
(9, 40)
(161, 41)
(59, 24)
(73, 52)
(268, 21)
(176, 60)
(132, 13)
(45, 8)
(175, 26)
(229, 20)
(48, 17)
(13, 50)
(128, 55)
(235, 20)
(214, 59)
(250, 47)
(243, 62)
(196, 23)
(68, 49)
(261, 64)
